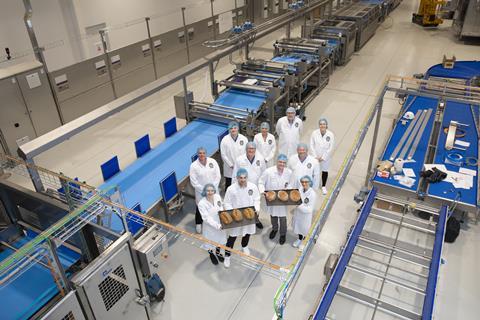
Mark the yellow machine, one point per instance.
(428, 13)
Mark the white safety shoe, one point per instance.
(198, 228)
(246, 250)
(226, 262)
(324, 191)
(297, 243)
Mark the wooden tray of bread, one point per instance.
(237, 217)
(286, 197)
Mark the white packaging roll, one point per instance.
(398, 165)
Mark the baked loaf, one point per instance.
(271, 195)
(226, 218)
(249, 213)
(283, 196)
(237, 215)
(295, 195)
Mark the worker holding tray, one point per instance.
(302, 216)
(289, 130)
(255, 165)
(322, 142)
(209, 206)
(231, 147)
(202, 171)
(303, 164)
(266, 144)
(240, 195)
(278, 177)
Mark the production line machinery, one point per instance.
(261, 90)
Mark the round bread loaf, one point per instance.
(226, 218)
(237, 215)
(295, 195)
(271, 195)
(249, 213)
(283, 196)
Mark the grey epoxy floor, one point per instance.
(197, 289)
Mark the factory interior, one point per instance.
(352, 124)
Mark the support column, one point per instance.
(378, 106)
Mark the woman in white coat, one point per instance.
(231, 147)
(209, 206)
(278, 177)
(289, 130)
(266, 144)
(202, 171)
(239, 195)
(302, 217)
(322, 142)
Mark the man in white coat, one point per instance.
(266, 144)
(302, 215)
(289, 130)
(303, 164)
(231, 147)
(255, 165)
(322, 142)
(240, 195)
(278, 177)
(202, 171)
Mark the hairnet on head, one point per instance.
(265, 125)
(310, 182)
(232, 124)
(206, 187)
(302, 145)
(291, 109)
(282, 157)
(323, 120)
(242, 172)
(251, 144)
(201, 149)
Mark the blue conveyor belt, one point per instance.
(139, 182)
(292, 58)
(32, 289)
(461, 113)
(461, 70)
(242, 100)
(419, 156)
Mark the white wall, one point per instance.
(60, 24)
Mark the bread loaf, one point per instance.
(226, 218)
(249, 213)
(237, 215)
(295, 195)
(283, 196)
(271, 196)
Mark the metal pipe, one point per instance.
(108, 61)
(185, 34)
(60, 270)
(214, 24)
(379, 106)
(152, 48)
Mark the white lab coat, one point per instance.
(288, 135)
(211, 228)
(238, 197)
(271, 179)
(230, 150)
(267, 147)
(322, 146)
(254, 168)
(302, 216)
(309, 167)
(201, 174)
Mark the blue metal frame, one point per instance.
(170, 127)
(334, 282)
(169, 187)
(110, 168)
(428, 303)
(142, 145)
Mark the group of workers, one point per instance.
(250, 171)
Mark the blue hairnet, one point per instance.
(232, 124)
(282, 157)
(291, 109)
(265, 125)
(206, 187)
(242, 172)
(302, 145)
(323, 120)
(310, 182)
(201, 149)
(251, 144)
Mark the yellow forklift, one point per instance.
(428, 13)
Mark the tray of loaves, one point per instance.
(237, 217)
(285, 197)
